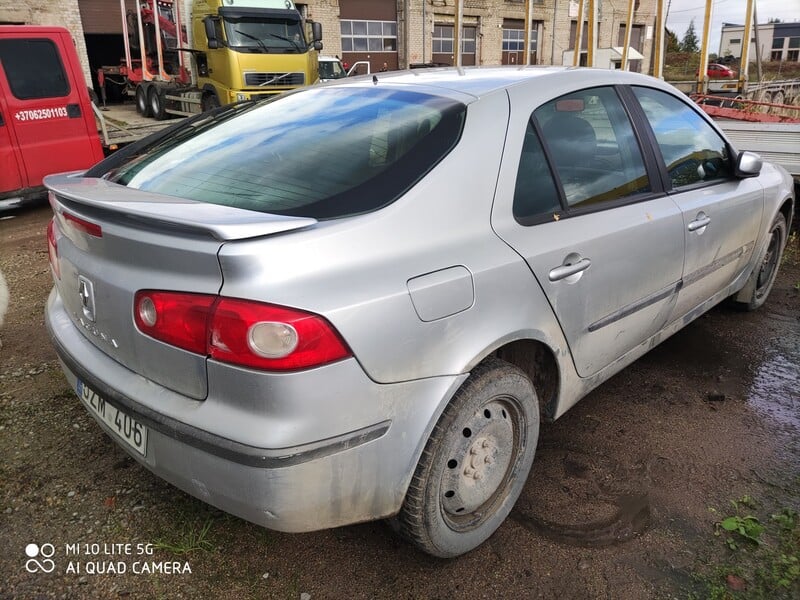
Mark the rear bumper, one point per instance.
(356, 468)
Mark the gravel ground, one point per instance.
(617, 505)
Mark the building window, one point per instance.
(793, 55)
(369, 36)
(735, 41)
(514, 39)
(443, 39)
(777, 43)
(776, 55)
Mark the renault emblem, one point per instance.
(86, 292)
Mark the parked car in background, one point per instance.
(718, 71)
(355, 301)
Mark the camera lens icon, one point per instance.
(33, 552)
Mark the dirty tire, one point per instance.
(766, 271)
(157, 103)
(475, 463)
(142, 104)
(209, 102)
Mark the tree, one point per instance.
(774, 21)
(689, 42)
(673, 44)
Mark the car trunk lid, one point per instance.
(112, 241)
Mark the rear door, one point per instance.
(603, 240)
(46, 104)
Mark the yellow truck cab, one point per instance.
(246, 49)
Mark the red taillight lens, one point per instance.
(174, 318)
(265, 336)
(240, 332)
(52, 248)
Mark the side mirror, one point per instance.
(748, 164)
(316, 32)
(211, 33)
(318, 46)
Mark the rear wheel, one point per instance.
(758, 287)
(142, 105)
(157, 104)
(475, 463)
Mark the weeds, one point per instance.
(763, 555)
(190, 539)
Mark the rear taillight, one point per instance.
(240, 332)
(52, 248)
(177, 319)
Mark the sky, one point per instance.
(681, 13)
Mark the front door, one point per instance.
(12, 177)
(46, 101)
(721, 213)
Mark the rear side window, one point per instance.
(33, 68)
(591, 142)
(535, 194)
(693, 152)
(322, 153)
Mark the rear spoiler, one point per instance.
(225, 223)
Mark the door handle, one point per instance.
(568, 270)
(699, 223)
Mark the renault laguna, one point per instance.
(358, 301)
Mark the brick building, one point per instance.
(395, 32)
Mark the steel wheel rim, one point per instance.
(768, 265)
(481, 459)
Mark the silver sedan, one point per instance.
(358, 300)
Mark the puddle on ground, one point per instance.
(775, 389)
(582, 499)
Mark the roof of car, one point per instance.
(479, 81)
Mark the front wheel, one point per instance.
(209, 101)
(475, 463)
(758, 287)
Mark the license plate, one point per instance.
(128, 429)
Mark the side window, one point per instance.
(693, 152)
(33, 68)
(593, 147)
(535, 194)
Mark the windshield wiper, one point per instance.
(258, 40)
(286, 39)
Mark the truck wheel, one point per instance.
(142, 106)
(209, 102)
(157, 104)
(475, 463)
(757, 288)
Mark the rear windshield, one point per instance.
(323, 153)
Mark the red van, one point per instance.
(46, 120)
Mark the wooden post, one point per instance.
(745, 58)
(702, 74)
(658, 50)
(576, 58)
(591, 37)
(528, 14)
(628, 27)
(457, 31)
